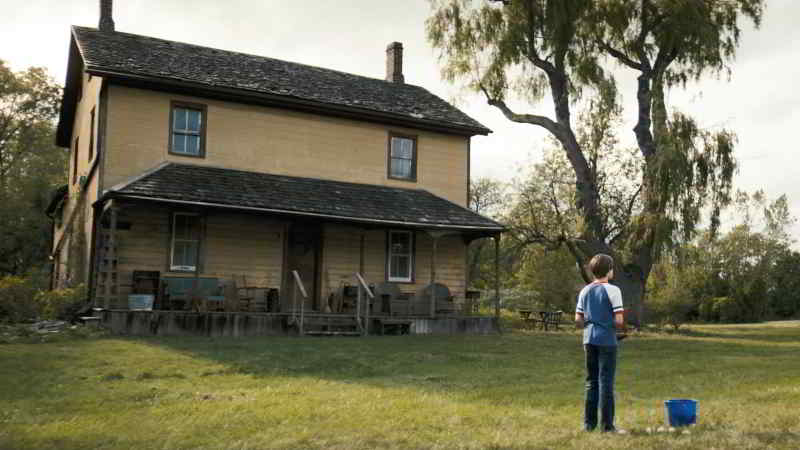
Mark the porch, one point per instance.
(218, 324)
(207, 259)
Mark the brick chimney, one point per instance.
(394, 63)
(106, 18)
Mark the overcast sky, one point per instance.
(760, 102)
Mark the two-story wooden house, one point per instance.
(195, 162)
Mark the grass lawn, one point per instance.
(510, 391)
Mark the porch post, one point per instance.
(435, 235)
(361, 253)
(433, 274)
(497, 275)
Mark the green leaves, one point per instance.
(30, 166)
(497, 47)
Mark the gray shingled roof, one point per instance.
(125, 53)
(336, 200)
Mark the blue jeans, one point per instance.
(601, 364)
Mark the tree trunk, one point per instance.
(631, 278)
(632, 287)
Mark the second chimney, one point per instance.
(394, 62)
(106, 17)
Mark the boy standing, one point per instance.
(599, 312)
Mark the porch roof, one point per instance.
(305, 197)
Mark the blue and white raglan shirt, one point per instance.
(598, 302)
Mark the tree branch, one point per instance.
(533, 119)
(579, 258)
(621, 56)
(663, 60)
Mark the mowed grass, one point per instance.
(510, 391)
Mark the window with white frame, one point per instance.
(402, 157)
(185, 242)
(400, 257)
(187, 130)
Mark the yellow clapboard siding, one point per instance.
(233, 245)
(277, 141)
(341, 260)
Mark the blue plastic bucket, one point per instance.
(680, 412)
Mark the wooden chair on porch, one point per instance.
(471, 299)
(390, 299)
(445, 301)
(245, 292)
(392, 303)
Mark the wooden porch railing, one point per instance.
(298, 287)
(363, 287)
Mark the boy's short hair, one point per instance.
(600, 265)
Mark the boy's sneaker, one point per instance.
(615, 431)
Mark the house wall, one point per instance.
(239, 244)
(341, 257)
(450, 262)
(72, 238)
(276, 141)
(232, 245)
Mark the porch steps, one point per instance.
(332, 333)
(331, 326)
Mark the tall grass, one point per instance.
(521, 390)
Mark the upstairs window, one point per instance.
(187, 129)
(185, 242)
(400, 256)
(402, 157)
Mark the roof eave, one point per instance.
(69, 96)
(283, 101)
(488, 230)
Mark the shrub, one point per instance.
(22, 299)
(673, 302)
(17, 299)
(729, 310)
(707, 311)
(61, 304)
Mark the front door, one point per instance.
(303, 255)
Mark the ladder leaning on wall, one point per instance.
(106, 285)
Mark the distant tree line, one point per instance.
(31, 169)
(748, 271)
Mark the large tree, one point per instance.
(567, 51)
(31, 166)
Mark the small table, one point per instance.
(545, 319)
(548, 318)
(526, 315)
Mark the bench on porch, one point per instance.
(181, 293)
